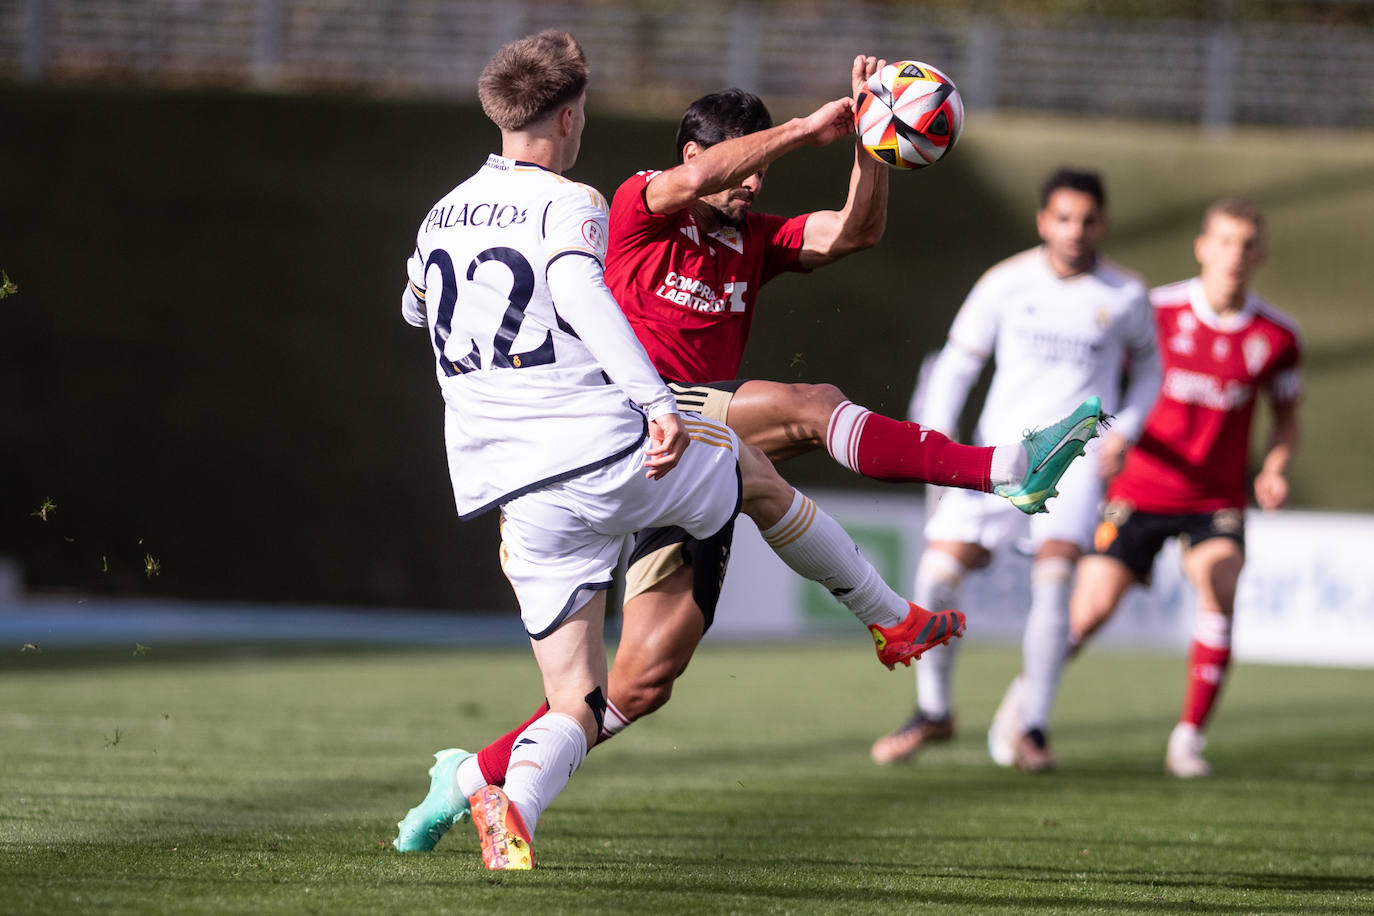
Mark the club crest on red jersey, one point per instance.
(1255, 351)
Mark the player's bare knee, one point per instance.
(810, 408)
(1087, 616)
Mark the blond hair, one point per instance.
(1236, 208)
(531, 77)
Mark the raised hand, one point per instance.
(864, 67)
(830, 122)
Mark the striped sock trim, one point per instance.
(614, 723)
(845, 431)
(792, 526)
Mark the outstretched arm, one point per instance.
(578, 286)
(832, 234)
(729, 162)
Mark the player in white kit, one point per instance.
(554, 413)
(1061, 323)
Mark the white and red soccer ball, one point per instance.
(909, 115)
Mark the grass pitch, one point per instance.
(257, 781)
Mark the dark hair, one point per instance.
(722, 116)
(1074, 180)
(531, 77)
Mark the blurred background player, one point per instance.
(1061, 323)
(544, 435)
(1220, 345)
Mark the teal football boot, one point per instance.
(1049, 452)
(445, 805)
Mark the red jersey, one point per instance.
(1192, 455)
(690, 296)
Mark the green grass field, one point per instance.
(260, 781)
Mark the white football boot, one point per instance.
(1184, 757)
(1004, 735)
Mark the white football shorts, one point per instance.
(972, 517)
(562, 542)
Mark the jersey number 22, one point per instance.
(521, 291)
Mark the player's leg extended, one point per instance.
(662, 625)
(572, 660)
(939, 573)
(786, 420)
(814, 545)
(457, 777)
(671, 594)
(660, 629)
(1213, 567)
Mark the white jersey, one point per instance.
(506, 275)
(1055, 340)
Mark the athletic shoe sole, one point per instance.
(501, 831)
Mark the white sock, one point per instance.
(843, 433)
(815, 546)
(544, 758)
(1212, 630)
(1009, 466)
(614, 723)
(469, 777)
(937, 589)
(1046, 640)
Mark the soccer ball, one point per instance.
(909, 115)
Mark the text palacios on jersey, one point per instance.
(496, 215)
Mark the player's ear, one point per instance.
(691, 149)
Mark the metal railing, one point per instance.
(650, 55)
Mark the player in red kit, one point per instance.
(688, 256)
(1220, 346)
(686, 259)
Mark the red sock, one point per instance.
(494, 759)
(1206, 672)
(886, 449)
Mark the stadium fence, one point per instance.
(653, 56)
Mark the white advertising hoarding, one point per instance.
(1306, 596)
